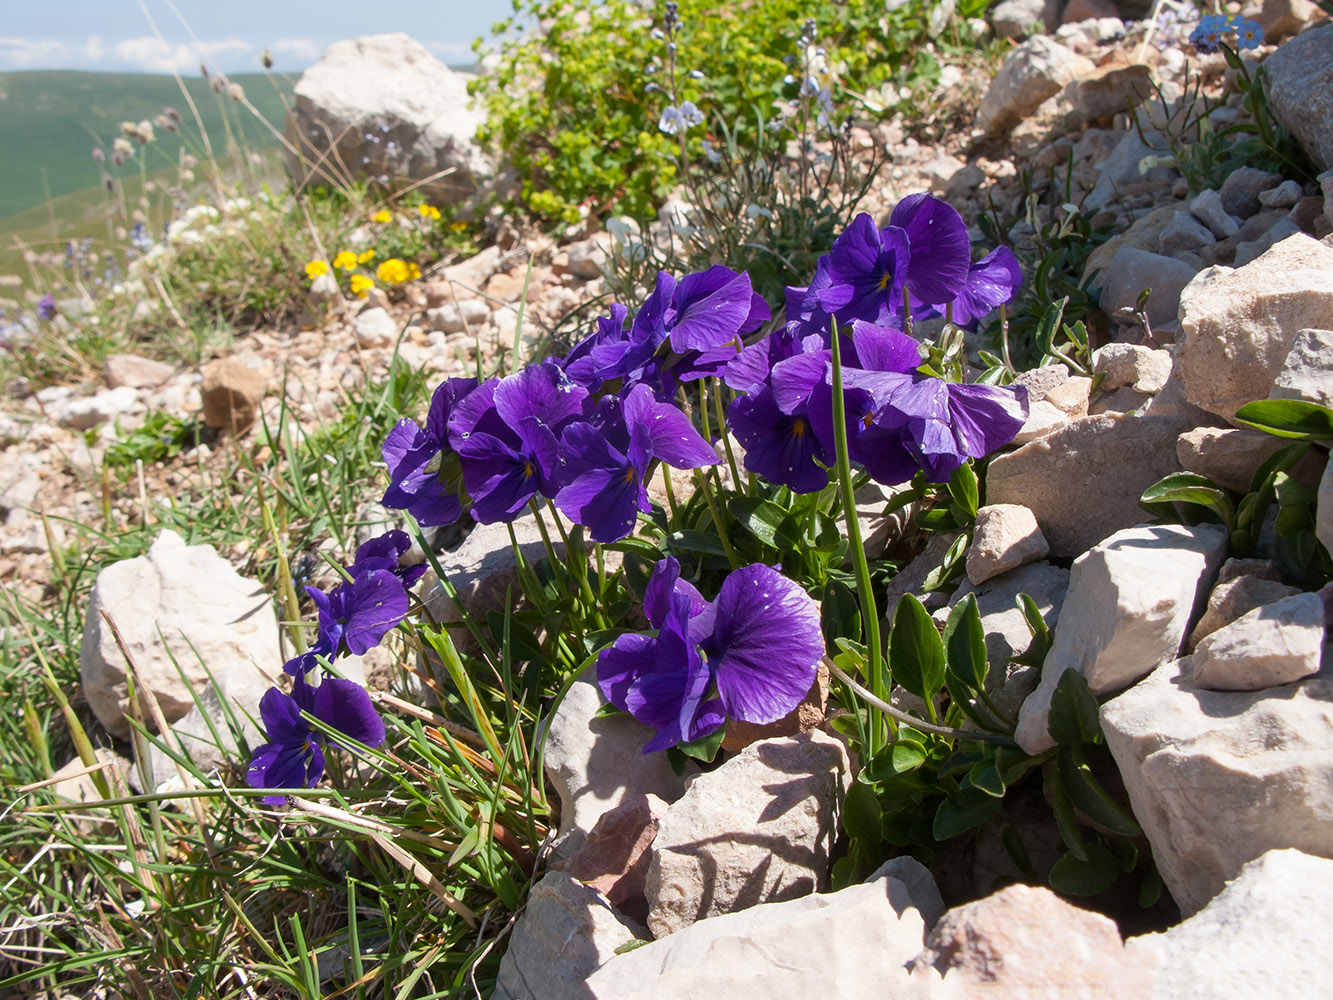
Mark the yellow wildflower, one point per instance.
(361, 285)
(316, 268)
(345, 261)
(366, 257)
(395, 271)
(429, 212)
(383, 215)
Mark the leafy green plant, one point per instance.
(160, 437)
(1055, 291)
(576, 104)
(1205, 153)
(1190, 497)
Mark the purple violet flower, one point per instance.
(607, 460)
(46, 307)
(515, 457)
(991, 282)
(416, 456)
(863, 275)
(353, 617)
(757, 646)
(294, 755)
(941, 253)
(578, 363)
(946, 423)
(782, 447)
(386, 552)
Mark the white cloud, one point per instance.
(153, 54)
(299, 50)
(33, 53)
(145, 54)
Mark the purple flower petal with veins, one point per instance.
(753, 658)
(940, 252)
(294, 756)
(766, 644)
(782, 447)
(992, 281)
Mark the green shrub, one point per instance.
(574, 106)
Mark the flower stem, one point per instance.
(702, 480)
(869, 613)
(557, 568)
(912, 720)
(670, 491)
(716, 387)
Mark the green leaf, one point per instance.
(985, 776)
(696, 541)
(900, 757)
(916, 652)
(1035, 654)
(760, 517)
(965, 641)
(964, 811)
(705, 748)
(1186, 487)
(862, 816)
(938, 519)
(839, 612)
(1063, 810)
(1050, 323)
(1073, 717)
(1085, 877)
(964, 489)
(950, 565)
(1288, 418)
(1090, 798)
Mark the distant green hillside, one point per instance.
(53, 119)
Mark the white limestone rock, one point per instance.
(1298, 82)
(1218, 778)
(1129, 607)
(566, 932)
(1263, 935)
(758, 829)
(1307, 372)
(1083, 481)
(1036, 70)
(1239, 324)
(1005, 537)
(207, 615)
(1143, 369)
(1279, 643)
(375, 328)
(854, 944)
(381, 106)
(596, 763)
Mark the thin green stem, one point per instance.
(670, 492)
(912, 720)
(557, 567)
(716, 387)
(869, 613)
(701, 478)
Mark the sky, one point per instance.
(227, 35)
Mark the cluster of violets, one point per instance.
(585, 433)
(353, 617)
(1213, 28)
(898, 421)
